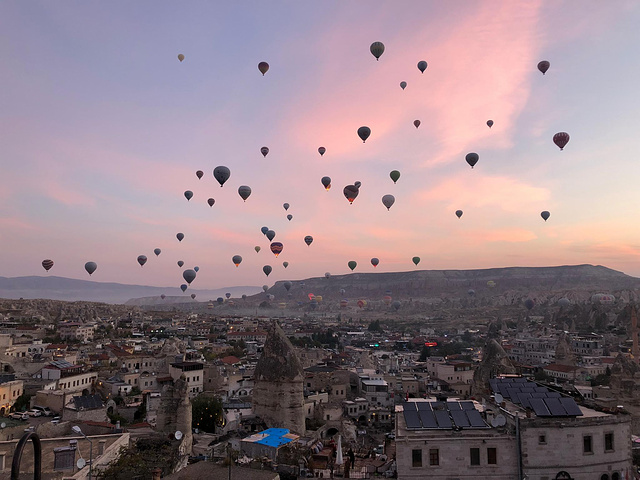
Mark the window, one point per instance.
(604, 476)
(434, 456)
(587, 445)
(492, 456)
(65, 458)
(475, 456)
(615, 476)
(416, 458)
(542, 439)
(608, 442)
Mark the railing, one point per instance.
(37, 453)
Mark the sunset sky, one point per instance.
(102, 129)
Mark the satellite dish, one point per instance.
(499, 421)
(499, 398)
(81, 463)
(3, 425)
(178, 435)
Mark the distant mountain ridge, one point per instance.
(70, 289)
(417, 283)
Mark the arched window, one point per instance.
(604, 476)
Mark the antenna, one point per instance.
(499, 421)
(499, 398)
(178, 435)
(81, 463)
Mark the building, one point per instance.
(10, 390)
(193, 374)
(267, 443)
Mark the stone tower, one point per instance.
(279, 380)
(564, 352)
(495, 361)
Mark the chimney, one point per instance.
(155, 473)
(634, 332)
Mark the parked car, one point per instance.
(55, 420)
(34, 413)
(44, 410)
(19, 416)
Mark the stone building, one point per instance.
(278, 395)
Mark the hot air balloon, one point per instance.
(257, 248)
(344, 303)
(183, 287)
(396, 305)
(545, 215)
(179, 236)
(197, 269)
(199, 174)
(157, 251)
(285, 264)
(458, 213)
(491, 284)
(361, 303)
(375, 262)
(471, 292)
(270, 235)
(529, 303)
(363, 133)
(47, 264)
(311, 296)
(395, 175)
(403, 85)
(90, 267)
(244, 296)
(321, 150)
(543, 66)
(564, 302)
(326, 182)
(180, 263)
(189, 276)
(327, 274)
(193, 296)
(357, 184)
(228, 295)
(211, 201)
(472, 158)
(180, 57)
(263, 67)
(386, 299)
(416, 260)
(288, 285)
(244, 191)
(388, 201)
(308, 240)
(561, 139)
(267, 270)
(285, 206)
(163, 296)
(352, 265)
(264, 230)
(188, 194)
(264, 151)
(236, 259)
(422, 65)
(221, 174)
(289, 217)
(220, 300)
(377, 49)
(142, 259)
(276, 248)
(351, 192)
(416, 123)
(489, 123)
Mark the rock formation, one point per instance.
(494, 362)
(279, 380)
(564, 353)
(174, 414)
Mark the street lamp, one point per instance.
(77, 430)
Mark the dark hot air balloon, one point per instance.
(211, 201)
(189, 276)
(90, 267)
(183, 287)
(267, 270)
(377, 49)
(321, 150)
(264, 151)
(561, 139)
(472, 159)
(289, 217)
(416, 123)
(545, 215)
(416, 260)
(142, 259)
(180, 263)
(308, 240)
(276, 248)
(228, 295)
(285, 206)
(236, 259)
(220, 300)
(221, 174)
(403, 85)
(395, 175)
(285, 264)
(375, 261)
(388, 201)
(264, 230)
(270, 235)
(179, 236)
(244, 191)
(263, 67)
(257, 249)
(188, 195)
(196, 269)
(352, 265)
(180, 57)
(422, 65)
(199, 174)
(489, 123)
(193, 296)
(529, 303)
(47, 264)
(350, 192)
(458, 213)
(363, 133)
(326, 182)
(327, 275)
(163, 296)
(287, 285)
(543, 66)
(157, 251)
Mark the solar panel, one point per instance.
(494, 384)
(524, 399)
(539, 407)
(467, 406)
(437, 406)
(520, 380)
(542, 389)
(412, 419)
(553, 395)
(409, 406)
(555, 407)
(475, 419)
(539, 395)
(513, 395)
(423, 406)
(571, 407)
(460, 419)
(427, 418)
(443, 419)
(452, 406)
(529, 385)
(528, 390)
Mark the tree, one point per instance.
(425, 353)
(22, 402)
(375, 326)
(206, 413)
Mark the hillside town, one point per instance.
(322, 392)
